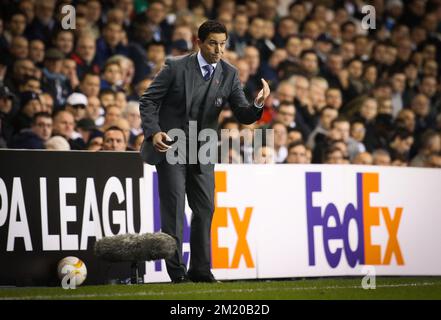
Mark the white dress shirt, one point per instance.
(202, 62)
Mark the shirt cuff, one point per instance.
(259, 106)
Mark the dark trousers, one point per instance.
(174, 182)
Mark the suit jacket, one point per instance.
(166, 103)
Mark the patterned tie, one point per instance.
(208, 71)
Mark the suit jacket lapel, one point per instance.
(192, 68)
(214, 87)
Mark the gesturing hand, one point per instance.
(158, 141)
(263, 94)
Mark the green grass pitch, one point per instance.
(322, 288)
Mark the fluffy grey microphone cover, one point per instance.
(135, 247)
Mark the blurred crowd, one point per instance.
(349, 85)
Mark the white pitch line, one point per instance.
(162, 293)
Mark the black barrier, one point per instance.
(54, 204)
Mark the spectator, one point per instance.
(90, 85)
(114, 140)
(64, 125)
(381, 157)
(94, 111)
(6, 128)
(131, 113)
(430, 144)
(400, 145)
(364, 158)
(36, 52)
(297, 153)
(29, 105)
(85, 55)
(36, 136)
(53, 80)
(76, 104)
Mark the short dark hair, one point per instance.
(155, 43)
(88, 74)
(106, 91)
(211, 26)
(401, 134)
(295, 144)
(115, 128)
(285, 103)
(40, 115)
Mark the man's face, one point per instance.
(156, 53)
(114, 141)
(113, 74)
(43, 128)
(19, 47)
(213, 47)
(79, 111)
(45, 10)
(404, 145)
(156, 13)
(64, 42)
(251, 54)
(241, 24)
(47, 102)
(17, 25)
(86, 48)
(302, 89)
(327, 117)
(280, 135)
(407, 117)
(334, 98)
(286, 114)
(112, 34)
(244, 71)
(297, 154)
(428, 86)
(64, 124)
(399, 82)
(335, 63)
(5, 105)
(107, 100)
(420, 105)
(93, 108)
(285, 92)
(358, 131)
(294, 46)
(294, 136)
(342, 127)
(382, 160)
(36, 51)
(134, 118)
(32, 107)
(112, 115)
(310, 62)
(90, 86)
(256, 28)
(32, 85)
(68, 67)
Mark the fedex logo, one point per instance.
(224, 257)
(363, 214)
(228, 257)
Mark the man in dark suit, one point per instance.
(191, 88)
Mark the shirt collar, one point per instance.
(203, 62)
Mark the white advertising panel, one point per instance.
(278, 221)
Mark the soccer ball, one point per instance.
(71, 271)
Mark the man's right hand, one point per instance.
(158, 141)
